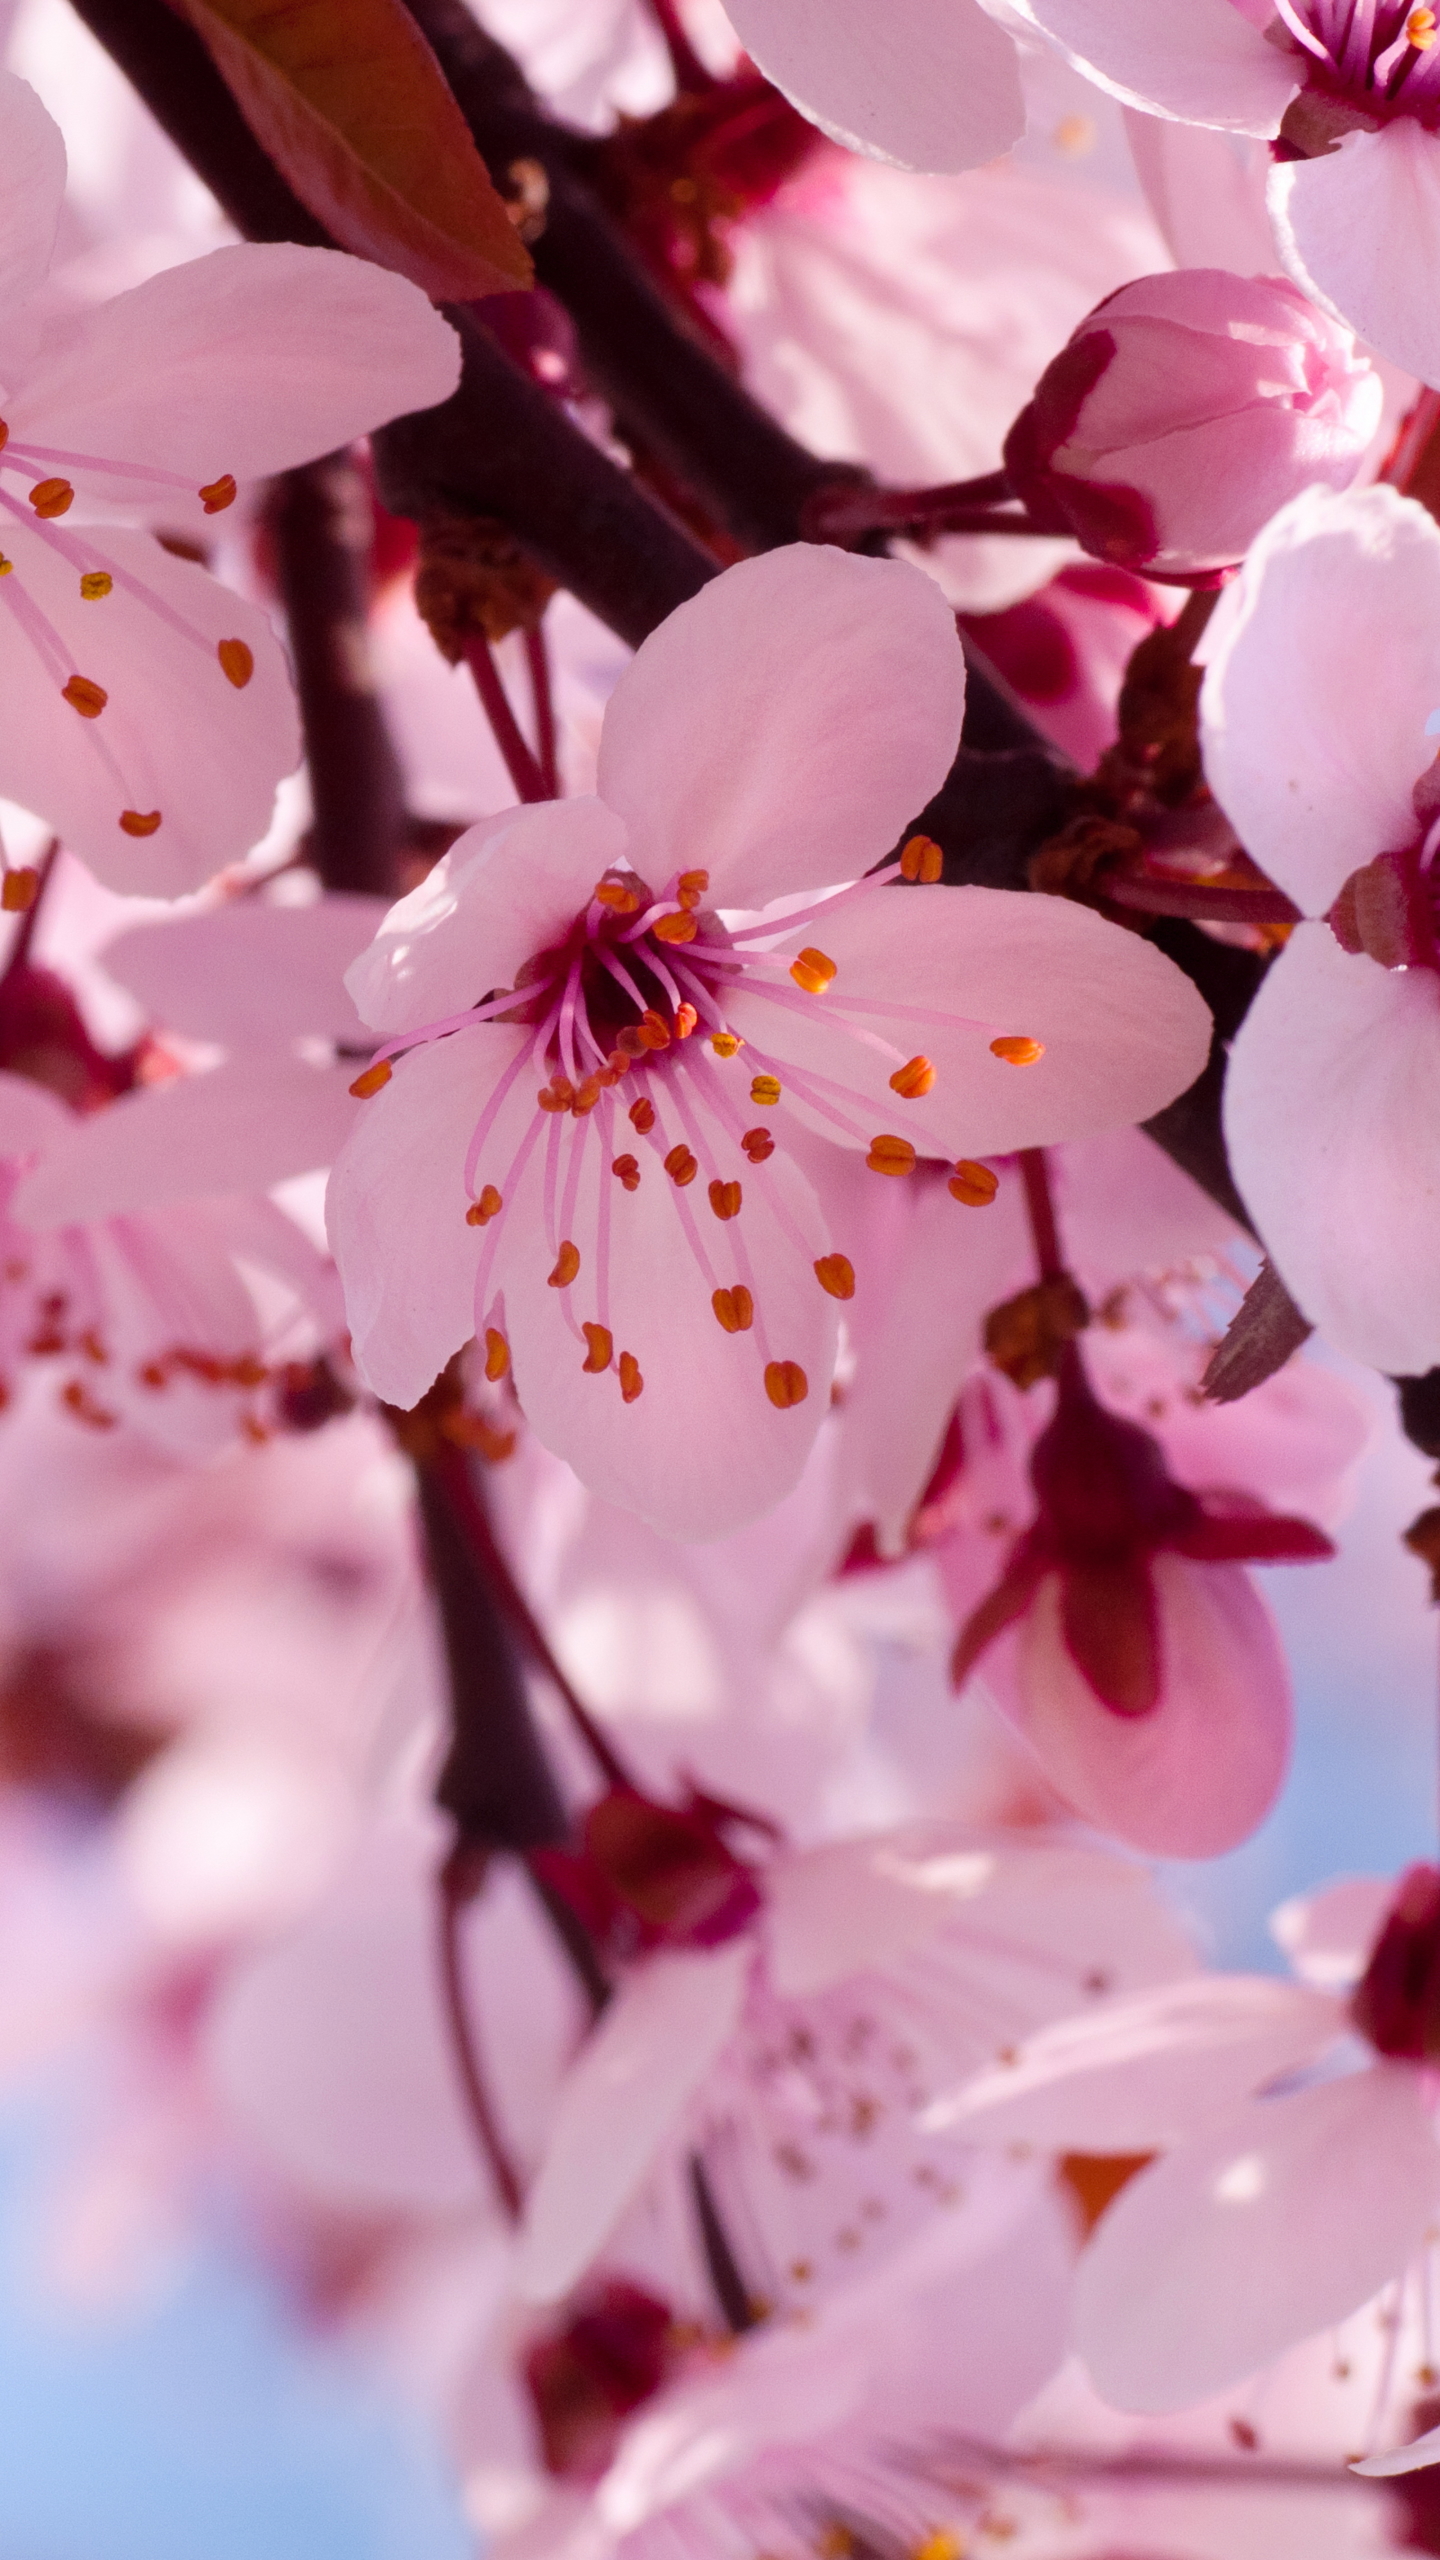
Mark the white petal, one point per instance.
(1359, 227)
(1332, 1118)
(1138, 2074)
(250, 971)
(931, 88)
(1315, 768)
(245, 361)
(239, 1128)
(1253, 2237)
(781, 728)
(32, 183)
(1416, 2456)
(644, 2062)
(1200, 61)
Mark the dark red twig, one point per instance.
(520, 763)
(1040, 1208)
(537, 659)
(459, 1881)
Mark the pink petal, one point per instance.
(395, 1211)
(507, 889)
(1139, 2074)
(862, 1905)
(1125, 1207)
(1196, 60)
(32, 183)
(31, 1119)
(1415, 2456)
(1123, 1031)
(1200, 1772)
(645, 2060)
(1251, 2238)
(250, 971)
(1335, 219)
(1328, 1935)
(932, 87)
(1314, 769)
(702, 1448)
(175, 734)
(245, 361)
(781, 729)
(1333, 1096)
(237, 1128)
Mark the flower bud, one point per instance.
(1183, 412)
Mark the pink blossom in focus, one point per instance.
(774, 735)
(1184, 411)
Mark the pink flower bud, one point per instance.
(1183, 412)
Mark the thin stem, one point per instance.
(1190, 621)
(721, 2264)
(520, 763)
(841, 511)
(1040, 1209)
(22, 940)
(537, 659)
(454, 1474)
(459, 1881)
(1214, 905)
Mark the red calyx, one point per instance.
(584, 2381)
(43, 1037)
(1384, 910)
(1396, 2004)
(1107, 1505)
(650, 1875)
(1111, 520)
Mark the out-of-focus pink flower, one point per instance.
(150, 710)
(1185, 410)
(934, 84)
(771, 739)
(1317, 715)
(1270, 2216)
(1148, 1677)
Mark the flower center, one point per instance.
(1367, 61)
(1396, 2004)
(1387, 910)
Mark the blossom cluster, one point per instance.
(720, 1277)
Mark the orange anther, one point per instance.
(654, 1030)
(1017, 1051)
(630, 1043)
(915, 1078)
(681, 1166)
(765, 1090)
(52, 497)
(785, 1383)
(921, 859)
(139, 822)
(757, 1144)
(18, 891)
(642, 1115)
(600, 1348)
(94, 584)
(627, 1172)
(237, 662)
(891, 1155)
(371, 1079)
(726, 1044)
(974, 1185)
(691, 886)
(488, 1206)
(218, 494)
(614, 895)
(86, 698)
(686, 1019)
(567, 1263)
(497, 1355)
(836, 1275)
(4, 435)
(734, 1309)
(557, 1095)
(811, 970)
(725, 1199)
(631, 1381)
(585, 1096)
(675, 928)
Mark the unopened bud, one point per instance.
(1183, 412)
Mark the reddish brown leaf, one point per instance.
(1266, 1328)
(351, 105)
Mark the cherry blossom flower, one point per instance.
(790, 2014)
(770, 739)
(1351, 95)
(1331, 1088)
(1300, 2171)
(150, 708)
